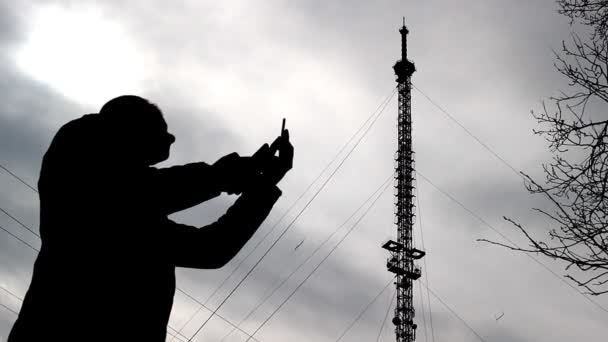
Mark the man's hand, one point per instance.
(235, 172)
(278, 166)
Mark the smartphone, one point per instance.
(283, 128)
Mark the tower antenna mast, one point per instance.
(403, 253)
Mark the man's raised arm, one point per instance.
(178, 188)
(213, 246)
(216, 244)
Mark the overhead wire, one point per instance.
(177, 288)
(386, 102)
(37, 250)
(388, 309)
(425, 269)
(335, 157)
(25, 183)
(218, 315)
(175, 336)
(13, 295)
(18, 178)
(479, 141)
(363, 311)
(9, 309)
(258, 304)
(296, 217)
(194, 299)
(275, 225)
(457, 315)
(382, 106)
(483, 221)
(422, 304)
(313, 253)
(19, 239)
(19, 222)
(323, 260)
(426, 333)
(475, 215)
(518, 173)
(21, 300)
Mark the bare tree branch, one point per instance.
(576, 181)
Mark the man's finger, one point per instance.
(262, 151)
(275, 146)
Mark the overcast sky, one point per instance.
(226, 72)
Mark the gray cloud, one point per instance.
(225, 73)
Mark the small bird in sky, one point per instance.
(298, 246)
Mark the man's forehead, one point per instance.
(156, 118)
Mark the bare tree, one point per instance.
(591, 13)
(576, 127)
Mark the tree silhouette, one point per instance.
(575, 124)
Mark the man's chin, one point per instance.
(158, 159)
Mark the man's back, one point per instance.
(100, 254)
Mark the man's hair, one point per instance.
(128, 107)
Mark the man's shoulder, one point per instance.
(76, 134)
(87, 121)
(79, 129)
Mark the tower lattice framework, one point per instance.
(403, 253)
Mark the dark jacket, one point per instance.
(106, 268)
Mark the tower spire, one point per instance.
(403, 253)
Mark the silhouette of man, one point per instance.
(106, 267)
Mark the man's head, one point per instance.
(138, 128)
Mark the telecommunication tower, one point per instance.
(403, 253)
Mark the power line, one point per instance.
(20, 223)
(340, 151)
(382, 106)
(209, 309)
(364, 310)
(18, 178)
(322, 260)
(314, 252)
(37, 250)
(176, 334)
(9, 309)
(334, 158)
(257, 306)
(11, 293)
(509, 240)
(21, 300)
(456, 314)
(484, 145)
(425, 270)
(426, 333)
(19, 239)
(477, 216)
(173, 336)
(294, 220)
(14, 295)
(177, 288)
(388, 309)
